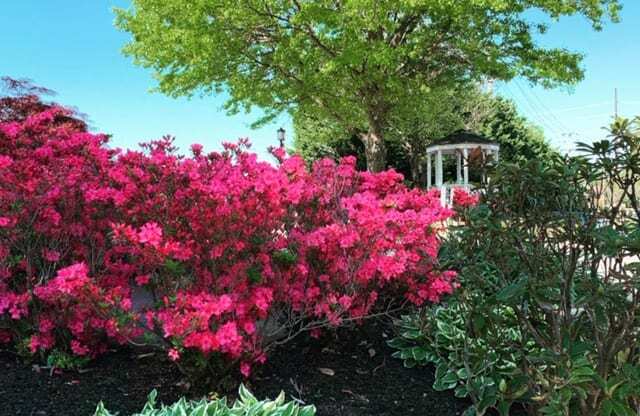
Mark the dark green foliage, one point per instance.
(315, 138)
(548, 313)
(285, 257)
(63, 360)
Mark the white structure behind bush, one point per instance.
(462, 145)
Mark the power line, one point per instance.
(582, 107)
(560, 135)
(583, 116)
(544, 107)
(549, 120)
(534, 113)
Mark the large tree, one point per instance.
(422, 118)
(353, 61)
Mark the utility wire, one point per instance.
(549, 112)
(557, 135)
(582, 107)
(537, 110)
(534, 114)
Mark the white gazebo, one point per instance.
(462, 144)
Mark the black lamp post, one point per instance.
(281, 136)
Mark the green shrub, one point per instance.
(548, 313)
(246, 405)
(477, 367)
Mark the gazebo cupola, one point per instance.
(464, 146)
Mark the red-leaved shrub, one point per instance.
(217, 254)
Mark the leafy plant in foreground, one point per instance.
(246, 405)
(477, 367)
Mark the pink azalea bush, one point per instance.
(49, 165)
(218, 254)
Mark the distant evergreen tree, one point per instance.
(520, 140)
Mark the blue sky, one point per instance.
(73, 48)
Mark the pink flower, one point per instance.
(34, 344)
(345, 301)
(229, 339)
(49, 214)
(278, 152)
(464, 199)
(142, 279)
(348, 239)
(324, 239)
(51, 255)
(203, 341)
(223, 305)
(196, 149)
(151, 234)
(249, 327)
(67, 281)
(441, 286)
(5, 161)
(174, 354)
(216, 252)
(11, 129)
(263, 298)
(40, 343)
(45, 325)
(78, 349)
(245, 369)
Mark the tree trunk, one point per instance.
(374, 147)
(416, 169)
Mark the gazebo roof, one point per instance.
(463, 137)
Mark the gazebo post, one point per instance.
(428, 170)
(439, 168)
(465, 154)
(485, 157)
(458, 168)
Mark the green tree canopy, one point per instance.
(352, 61)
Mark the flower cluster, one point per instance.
(215, 253)
(464, 199)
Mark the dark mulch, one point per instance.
(366, 380)
(120, 379)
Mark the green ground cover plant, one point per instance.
(246, 405)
